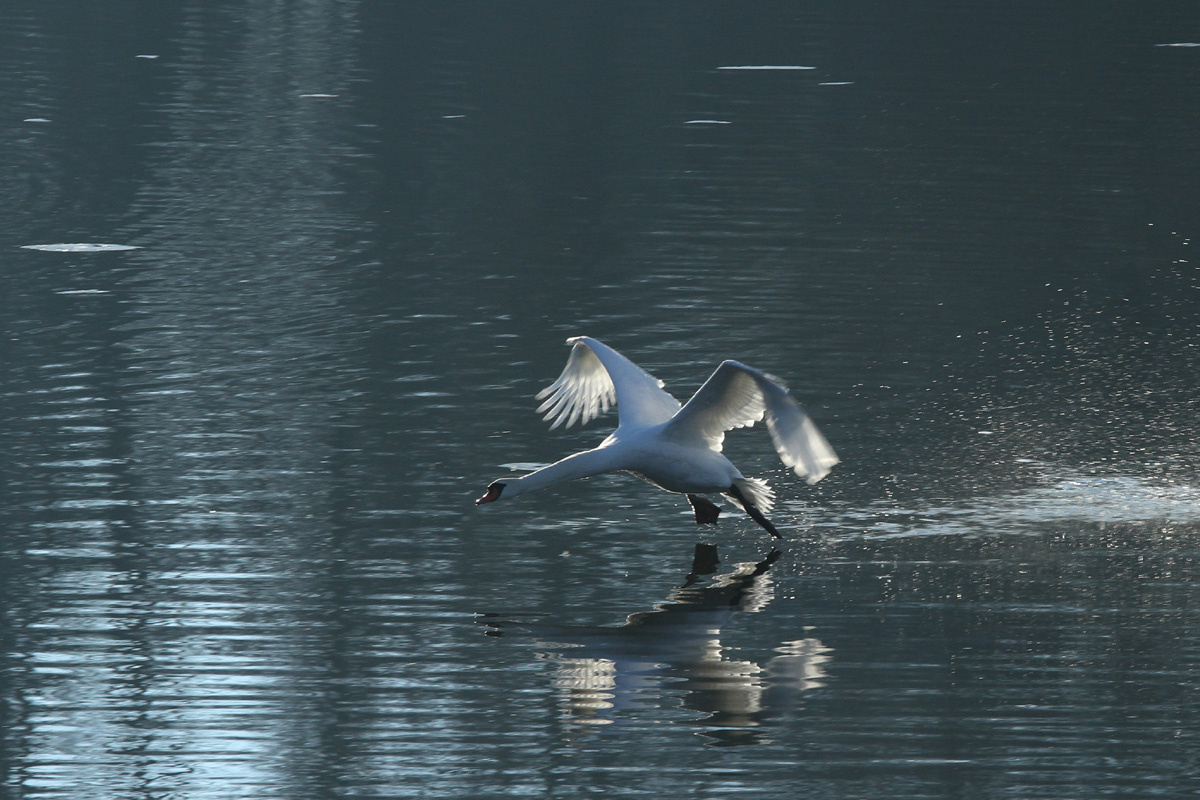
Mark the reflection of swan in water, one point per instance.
(675, 650)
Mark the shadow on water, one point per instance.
(674, 653)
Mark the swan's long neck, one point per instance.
(579, 465)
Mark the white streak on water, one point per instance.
(1063, 500)
(80, 247)
(768, 67)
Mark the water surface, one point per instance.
(279, 285)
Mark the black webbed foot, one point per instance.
(706, 512)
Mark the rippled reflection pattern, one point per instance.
(176, 469)
(603, 672)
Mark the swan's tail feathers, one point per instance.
(754, 496)
(755, 491)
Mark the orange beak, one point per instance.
(493, 493)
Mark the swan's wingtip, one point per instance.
(815, 477)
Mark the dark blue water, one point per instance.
(239, 555)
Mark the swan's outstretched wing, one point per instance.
(597, 377)
(737, 396)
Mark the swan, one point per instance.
(675, 447)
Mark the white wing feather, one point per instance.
(737, 396)
(582, 392)
(596, 378)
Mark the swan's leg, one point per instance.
(706, 512)
(755, 514)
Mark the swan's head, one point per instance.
(494, 490)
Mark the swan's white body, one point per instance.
(677, 448)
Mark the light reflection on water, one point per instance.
(1028, 588)
(603, 673)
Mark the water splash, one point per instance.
(1058, 500)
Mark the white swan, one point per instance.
(675, 448)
